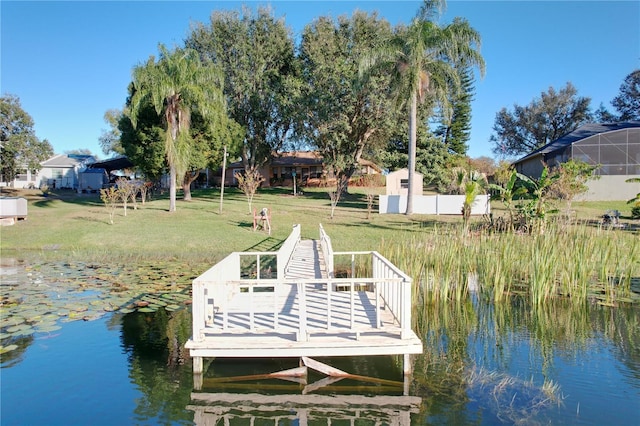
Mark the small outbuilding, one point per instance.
(92, 180)
(398, 183)
(12, 209)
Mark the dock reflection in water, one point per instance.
(286, 397)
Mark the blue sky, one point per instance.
(71, 61)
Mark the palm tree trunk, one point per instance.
(413, 114)
(172, 188)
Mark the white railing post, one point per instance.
(198, 307)
(329, 307)
(327, 251)
(303, 335)
(406, 309)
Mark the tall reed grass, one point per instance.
(579, 262)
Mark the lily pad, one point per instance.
(9, 348)
(47, 328)
(17, 328)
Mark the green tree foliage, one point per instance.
(539, 193)
(110, 139)
(507, 189)
(545, 119)
(603, 115)
(256, 54)
(144, 143)
(432, 158)
(20, 148)
(177, 85)
(471, 183)
(572, 177)
(346, 116)
(455, 129)
(627, 103)
(426, 57)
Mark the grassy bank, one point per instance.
(77, 226)
(432, 249)
(152, 251)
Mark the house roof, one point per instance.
(302, 158)
(297, 158)
(94, 171)
(67, 160)
(116, 163)
(578, 134)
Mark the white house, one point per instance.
(62, 171)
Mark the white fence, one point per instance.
(433, 204)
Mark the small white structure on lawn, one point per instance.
(398, 183)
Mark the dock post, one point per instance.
(197, 365)
(407, 368)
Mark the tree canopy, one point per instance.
(20, 148)
(544, 120)
(627, 103)
(345, 115)
(177, 86)
(110, 139)
(455, 126)
(256, 54)
(427, 58)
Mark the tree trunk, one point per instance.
(412, 151)
(189, 178)
(186, 191)
(172, 188)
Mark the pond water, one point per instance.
(482, 364)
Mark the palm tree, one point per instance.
(426, 59)
(177, 84)
(509, 192)
(470, 184)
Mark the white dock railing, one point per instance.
(324, 305)
(286, 250)
(327, 251)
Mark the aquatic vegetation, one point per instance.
(580, 263)
(37, 297)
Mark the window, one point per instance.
(404, 183)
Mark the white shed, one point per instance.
(398, 183)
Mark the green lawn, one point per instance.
(68, 225)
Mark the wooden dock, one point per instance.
(290, 304)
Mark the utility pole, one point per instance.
(224, 167)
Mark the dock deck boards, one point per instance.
(257, 337)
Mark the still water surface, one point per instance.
(482, 364)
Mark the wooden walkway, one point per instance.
(305, 312)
